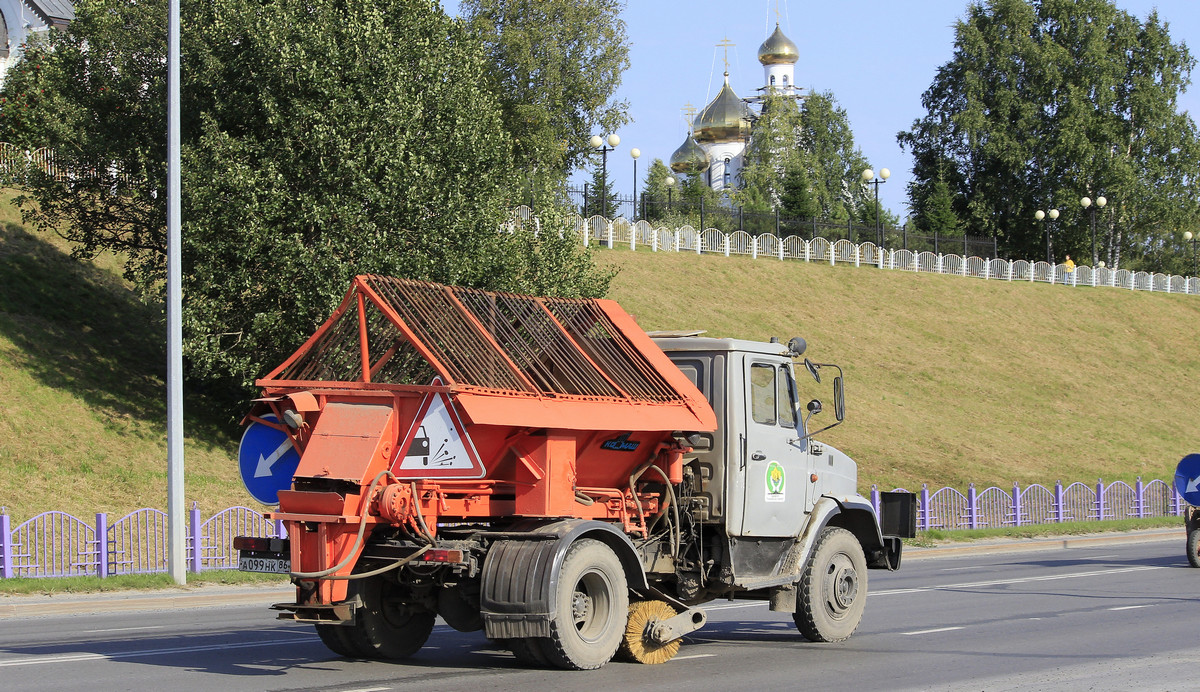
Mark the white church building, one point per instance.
(716, 143)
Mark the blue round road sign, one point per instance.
(267, 461)
(1187, 479)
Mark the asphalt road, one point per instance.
(1107, 617)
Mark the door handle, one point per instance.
(758, 456)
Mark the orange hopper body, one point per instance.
(417, 404)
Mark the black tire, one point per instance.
(833, 588)
(384, 627)
(591, 608)
(1193, 547)
(529, 650)
(336, 638)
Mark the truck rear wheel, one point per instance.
(1193, 547)
(591, 607)
(528, 650)
(833, 588)
(336, 639)
(384, 626)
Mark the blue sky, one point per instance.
(876, 57)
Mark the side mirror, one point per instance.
(839, 399)
(814, 407)
(812, 370)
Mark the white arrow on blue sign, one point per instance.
(267, 461)
(1187, 479)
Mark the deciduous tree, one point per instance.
(1047, 101)
(554, 65)
(321, 139)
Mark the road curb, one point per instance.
(1040, 544)
(126, 602)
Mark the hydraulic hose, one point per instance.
(358, 540)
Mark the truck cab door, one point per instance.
(773, 465)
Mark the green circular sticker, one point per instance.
(775, 478)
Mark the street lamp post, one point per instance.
(1189, 238)
(868, 176)
(598, 145)
(1052, 214)
(670, 181)
(1086, 203)
(635, 153)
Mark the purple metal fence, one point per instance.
(57, 544)
(948, 508)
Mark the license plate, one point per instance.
(270, 565)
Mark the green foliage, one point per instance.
(599, 198)
(797, 200)
(554, 66)
(549, 258)
(805, 160)
(937, 215)
(322, 139)
(1048, 101)
(655, 195)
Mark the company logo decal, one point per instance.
(620, 444)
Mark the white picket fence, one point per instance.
(622, 233)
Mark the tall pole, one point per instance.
(635, 153)
(878, 228)
(1086, 203)
(868, 176)
(1093, 236)
(1188, 237)
(598, 144)
(1052, 215)
(176, 554)
(604, 182)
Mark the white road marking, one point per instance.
(72, 658)
(1130, 607)
(1019, 580)
(940, 629)
(686, 658)
(125, 629)
(737, 605)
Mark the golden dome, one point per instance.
(778, 49)
(726, 119)
(689, 158)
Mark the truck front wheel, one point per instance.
(591, 607)
(1193, 546)
(833, 588)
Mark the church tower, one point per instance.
(723, 129)
(778, 56)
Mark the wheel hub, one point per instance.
(846, 588)
(842, 586)
(581, 607)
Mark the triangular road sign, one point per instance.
(437, 444)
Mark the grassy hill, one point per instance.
(82, 394)
(949, 380)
